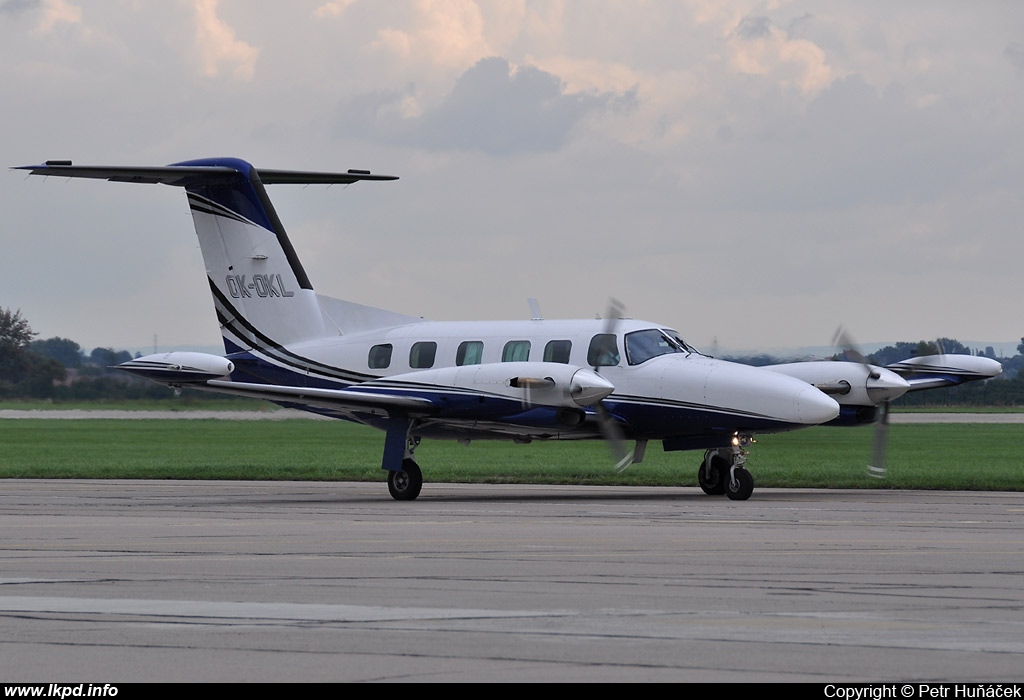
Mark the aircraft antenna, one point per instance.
(535, 314)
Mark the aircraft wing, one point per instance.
(211, 373)
(336, 399)
(861, 384)
(937, 371)
(468, 393)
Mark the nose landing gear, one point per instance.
(722, 471)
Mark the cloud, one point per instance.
(1015, 53)
(761, 48)
(751, 28)
(17, 7)
(492, 108)
(443, 32)
(55, 12)
(332, 9)
(217, 42)
(848, 137)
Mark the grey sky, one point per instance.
(755, 172)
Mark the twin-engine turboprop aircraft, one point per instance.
(614, 379)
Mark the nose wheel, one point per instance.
(713, 473)
(722, 472)
(740, 486)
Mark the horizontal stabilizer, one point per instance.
(300, 177)
(208, 170)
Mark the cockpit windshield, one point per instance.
(687, 348)
(643, 345)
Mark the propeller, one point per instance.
(609, 426)
(843, 342)
(877, 467)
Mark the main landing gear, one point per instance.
(405, 483)
(722, 471)
(404, 476)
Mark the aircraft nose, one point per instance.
(813, 407)
(774, 396)
(588, 387)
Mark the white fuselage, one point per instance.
(662, 392)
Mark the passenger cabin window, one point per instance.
(643, 345)
(422, 354)
(380, 356)
(604, 351)
(470, 352)
(516, 351)
(558, 351)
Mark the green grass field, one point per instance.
(968, 456)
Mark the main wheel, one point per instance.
(405, 484)
(713, 484)
(742, 487)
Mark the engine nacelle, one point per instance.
(179, 367)
(533, 383)
(931, 371)
(849, 383)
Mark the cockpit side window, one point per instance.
(603, 351)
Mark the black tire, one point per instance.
(405, 484)
(713, 484)
(742, 487)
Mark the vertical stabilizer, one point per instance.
(261, 292)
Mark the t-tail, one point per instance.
(262, 295)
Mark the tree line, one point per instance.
(58, 369)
